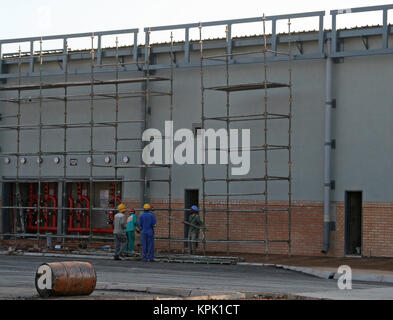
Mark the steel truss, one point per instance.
(320, 35)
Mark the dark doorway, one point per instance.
(353, 222)
(191, 198)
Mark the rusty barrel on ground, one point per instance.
(70, 278)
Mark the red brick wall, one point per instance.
(377, 229)
(340, 229)
(306, 227)
(306, 230)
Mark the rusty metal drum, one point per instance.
(70, 278)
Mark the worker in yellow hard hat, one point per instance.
(147, 221)
(119, 227)
(121, 207)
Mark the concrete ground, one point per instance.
(147, 280)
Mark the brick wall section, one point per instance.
(340, 229)
(378, 229)
(306, 230)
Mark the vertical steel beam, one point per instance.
(321, 36)
(334, 35)
(274, 36)
(60, 213)
(31, 56)
(147, 43)
(145, 173)
(99, 51)
(65, 58)
(229, 40)
(187, 46)
(135, 49)
(328, 149)
(1, 59)
(266, 160)
(385, 29)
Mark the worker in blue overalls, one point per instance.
(147, 222)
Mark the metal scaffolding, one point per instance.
(43, 81)
(145, 93)
(19, 209)
(263, 118)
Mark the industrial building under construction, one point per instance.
(317, 104)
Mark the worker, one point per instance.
(147, 223)
(193, 232)
(132, 223)
(119, 226)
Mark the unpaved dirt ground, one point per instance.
(381, 264)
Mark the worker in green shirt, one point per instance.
(132, 222)
(193, 232)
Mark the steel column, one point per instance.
(328, 148)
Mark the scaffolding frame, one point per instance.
(269, 55)
(263, 117)
(146, 93)
(89, 98)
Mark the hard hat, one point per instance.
(132, 210)
(121, 207)
(146, 206)
(195, 208)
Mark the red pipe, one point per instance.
(48, 197)
(71, 217)
(54, 216)
(45, 211)
(30, 211)
(83, 225)
(35, 228)
(79, 205)
(87, 205)
(84, 202)
(33, 203)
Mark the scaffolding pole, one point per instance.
(16, 205)
(264, 116)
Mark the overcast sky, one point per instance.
(24, 18)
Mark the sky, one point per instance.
(26, 18)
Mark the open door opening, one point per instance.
(353, 222)
(191, 198)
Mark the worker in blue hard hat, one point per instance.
(196, 225)
(147, 223)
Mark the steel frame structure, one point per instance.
(320, 35)
(147, 65)
(90, 97)
(263, 117)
